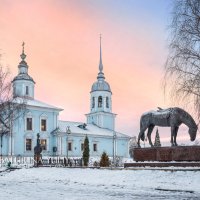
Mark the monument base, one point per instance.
(167, 154)
(37, 160)
(162, 164)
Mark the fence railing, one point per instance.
(20, 161)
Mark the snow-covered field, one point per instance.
(64, 183)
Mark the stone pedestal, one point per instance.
(167, 154)
(37, 160)
(164, 164)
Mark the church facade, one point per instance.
(63, 138)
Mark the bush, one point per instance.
(104, 162)
(96, 164)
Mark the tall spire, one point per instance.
(100, 74)
(100, 61)
(23, 55)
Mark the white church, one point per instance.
(64, 138)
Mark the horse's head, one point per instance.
(193, 132)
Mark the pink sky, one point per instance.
(62, 47)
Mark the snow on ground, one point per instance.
(98, 184)
(2, 169)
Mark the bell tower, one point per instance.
(101, 101)
(23, 84)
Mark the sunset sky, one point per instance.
(62, 47)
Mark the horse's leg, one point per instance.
(172, 135)
(150, 129)
(140, 134)
(175, 135)
(139, 137)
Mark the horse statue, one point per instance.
(171, 117)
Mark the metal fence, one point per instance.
(20, 161)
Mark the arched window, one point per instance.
(14, 91)
(107, 102)
(100, 101)
(93, 102)
(27, 90)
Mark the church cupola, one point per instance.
(23, 84)
(101, 101)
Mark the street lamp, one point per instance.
(1, 135)
(114, 146)
(1, 146)
(68, 131)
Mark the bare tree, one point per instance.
(182, 69)
(11, 108)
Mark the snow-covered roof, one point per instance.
(35, 103)
(90, 129)
(23, 76)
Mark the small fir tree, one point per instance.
(157, 139)
(86, 151)
(104, 162)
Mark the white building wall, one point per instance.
(20, 134)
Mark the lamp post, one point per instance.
(68, 131)
(114, 147)
(1, 135)
(1, 147)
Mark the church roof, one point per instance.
(100, 85)
(23, 77)
(35, 103)
(87, 129)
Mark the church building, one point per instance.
(64, 138)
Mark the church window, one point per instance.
(43, 143)
(27, 90)
(43, 125)
(93, 102)
(100, 102)
(29, 124)
(94, 147)
(107, 102)
(28, 144)
(15, 91)
(69, 146)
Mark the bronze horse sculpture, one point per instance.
(171, 117)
